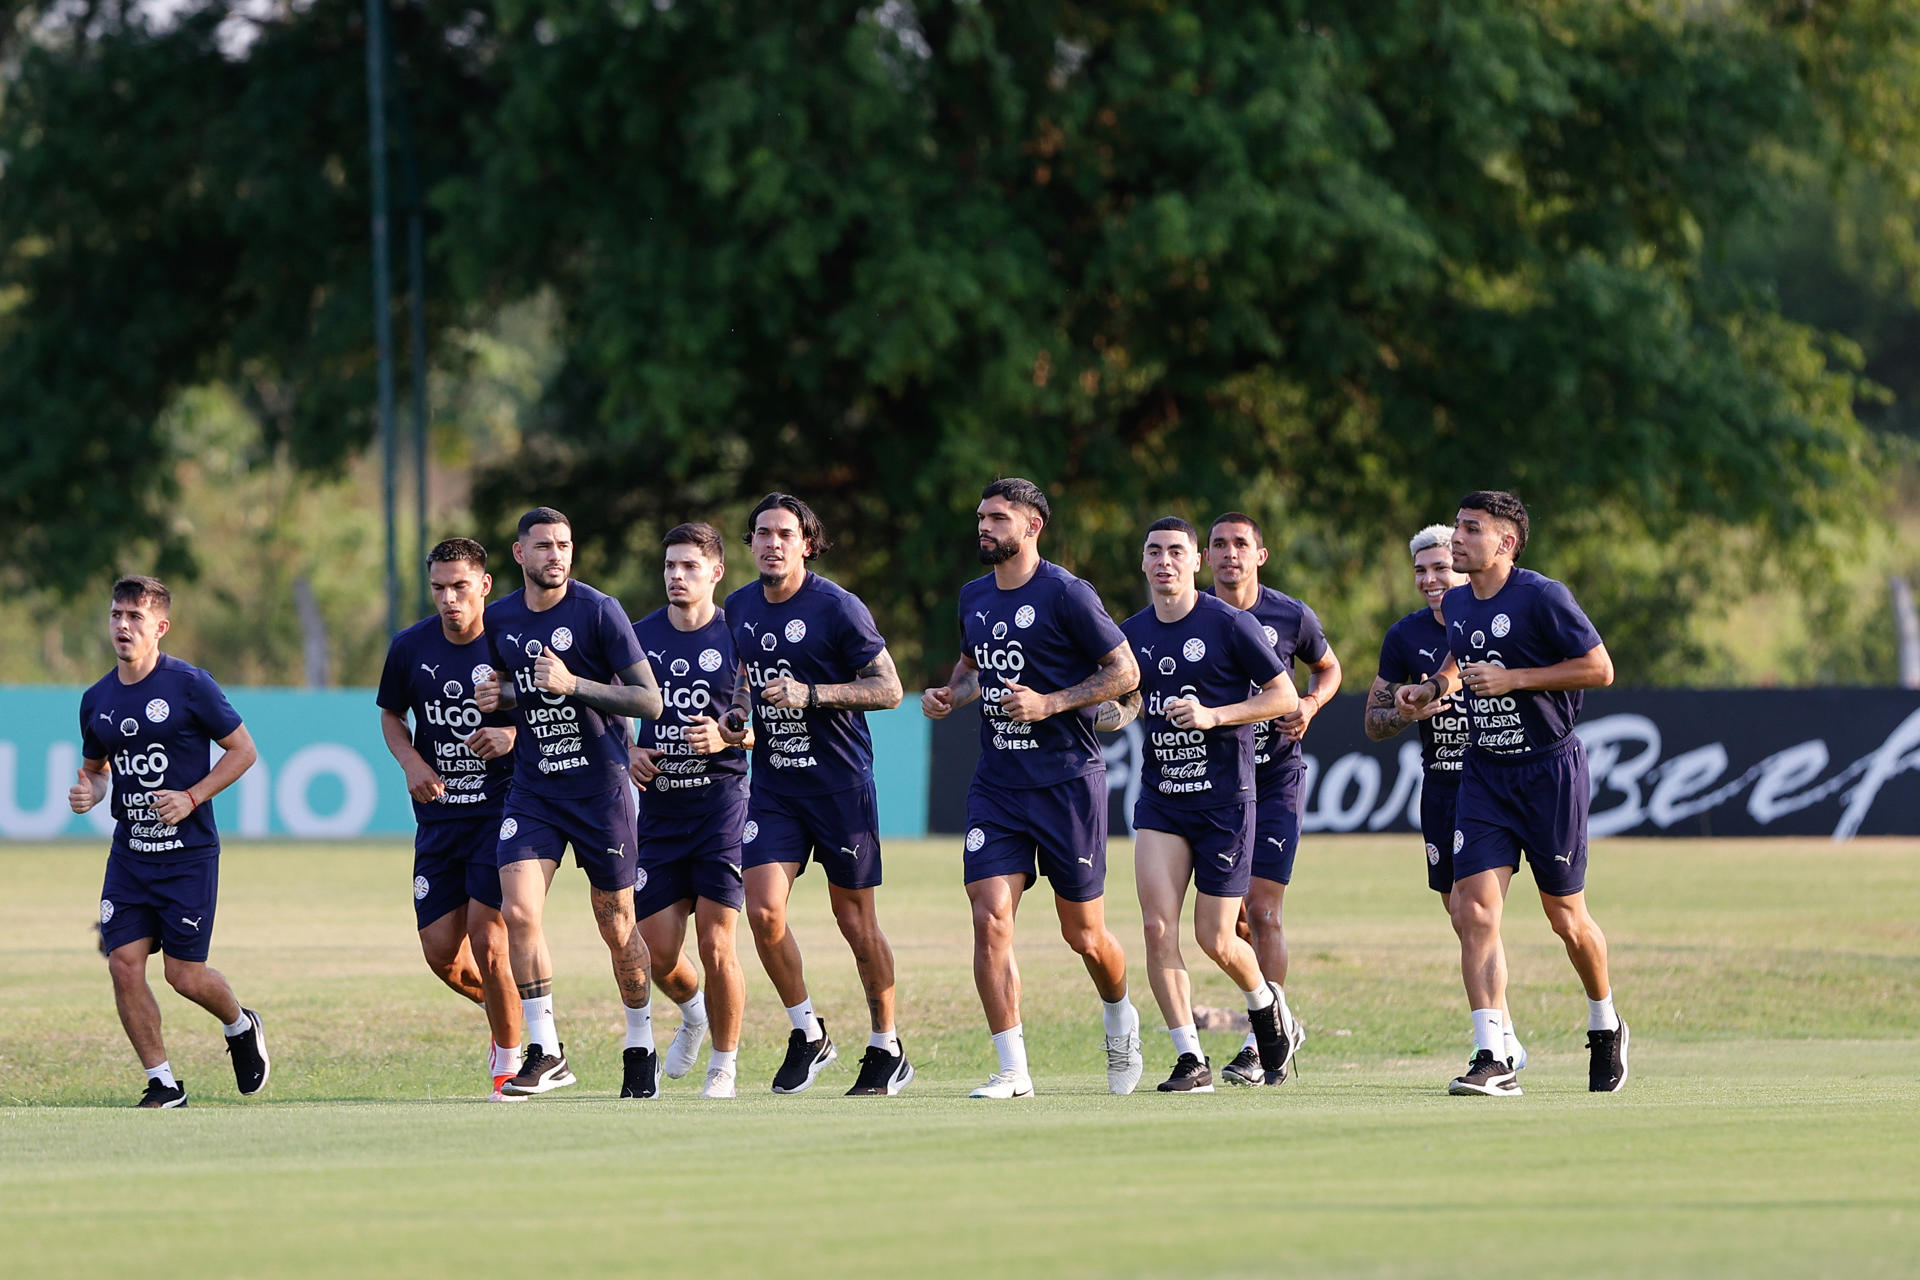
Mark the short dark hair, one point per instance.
(542, 515)
(464, 550)
(703, 536)
(139, 589)
(810, 527)
(1022, 493)
(1501, 505)
(1175, 522)
(1239, 517)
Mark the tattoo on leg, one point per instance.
(535, 989)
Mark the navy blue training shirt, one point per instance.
(1294, 631)
(1414, 648)
(1532, 621)
(1047, 635)
(431, 678)
(696, 671)
(157, 735)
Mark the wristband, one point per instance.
(1438, 691)
(809, 695)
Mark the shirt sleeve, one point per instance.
(1568, 631)
(1087, 622)
(617, 639)
(392, 694)
(1247, 644)
(1312, 645)
(91, 747)
(860, 639)
(1393, 658)
(216, 714)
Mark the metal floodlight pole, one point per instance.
(417, 331)
(382, 282)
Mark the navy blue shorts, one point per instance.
(600, 829)
(1276, 837)
(1538, 805)
(453, 863)
(170, 901)
(841, 828)
(693, 853)
(1221, 840)
(1059, 832)
(1438, 794)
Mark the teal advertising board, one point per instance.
(324, 772)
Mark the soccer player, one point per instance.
(561, 646)
(692, 774)
(1414, 648)
(812, 666)
(146, 734)
(1194, 819)
(457, 764)
(1042, 654)
(1236, 551)
(1523, 651)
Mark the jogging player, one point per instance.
(1041, 653)
(561, 646)
(812, 666)
(1236, 552)
(1523, 651)
(147, 730)
(1414, 648)
(457, 763)
(1194, 819)
(692, 775)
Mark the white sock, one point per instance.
(1600, 1014)
(1119, 1017)
(1253, 1041)
(1011, 1045)
(693, 1012)
(1489, 1031)
(164, 1074)
(640, 1027)
(722, 1060)
(884, 1040)
(1185, 1040)
(243, 1022)
(803, 1020)
(505, 1060)
(1260, 997)
(538, 1014)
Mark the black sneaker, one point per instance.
(1295, 1032)
(640, 1077)
(162, 1097)
(805, 1058)
(540, 1072)
(882, 1074)
(1270, 1037)
(251, 1066)
(1190, 1075)
(1488, 1076)
(1245, 1069)
(1606, 1060)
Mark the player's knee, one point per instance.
(992, 923)
(1085, 941)
(1571, 926)
(857, 926)
(126, 970)
(1158, 931)
(183, 976)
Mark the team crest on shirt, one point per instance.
(796, 631)
(1023, 616)
(769, 640)
(106, 912)
(452, 689)
(1168, 666)
(158, 710)
(1500, 625)
(562, 640)
(1194, 649)
(420, 888)
(129, 727)
(679, 667)
(710, 659)
(1433, 856)
(999, 631)
(1458, 840)
(750, 833)
(480, 673)
(1273, 637)
(975, 838)
(511, 827)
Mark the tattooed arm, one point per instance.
(1116, 673)
(1383, 719)
(1118, 714)
(962, 687)
(638, 694)
(875, 687)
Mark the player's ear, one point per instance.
(161, 626)
(1260, 560)
(486, 584)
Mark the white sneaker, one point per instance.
(1005, 1084)
(685, 1049)
(719, 1084)
(1125, 1062)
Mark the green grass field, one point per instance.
(1769, 1127)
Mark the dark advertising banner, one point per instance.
(1682, 762)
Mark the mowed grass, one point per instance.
(1769, 1127)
